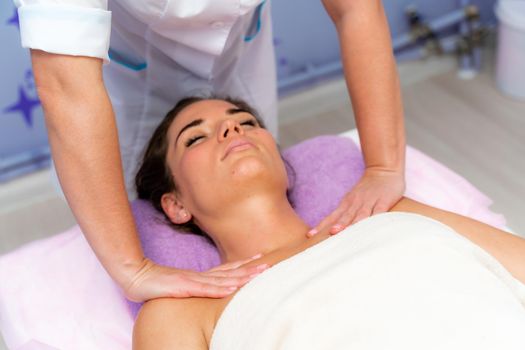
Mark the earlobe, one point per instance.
(174, 209)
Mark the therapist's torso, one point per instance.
(186, 48)
(193, 33)
(162, 51)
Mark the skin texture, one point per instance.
(241, 202)
(373, 84)
(246, 181)
(84, 143)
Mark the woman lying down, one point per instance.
(413, 278)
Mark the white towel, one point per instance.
(392, 281)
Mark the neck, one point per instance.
(258, 224)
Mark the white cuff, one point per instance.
(67, 30)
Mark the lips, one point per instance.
(237, 144)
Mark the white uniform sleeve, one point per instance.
(69, 27)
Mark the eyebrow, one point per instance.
(236, 110)
(199, 121)
(189, 125)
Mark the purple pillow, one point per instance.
(323, 169)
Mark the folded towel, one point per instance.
(392, 281)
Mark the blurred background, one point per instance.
(462, 69)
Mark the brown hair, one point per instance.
(154, 178)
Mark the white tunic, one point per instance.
(160, 52)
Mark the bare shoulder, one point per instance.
(169, 323)
(508, 248)
(462, 224)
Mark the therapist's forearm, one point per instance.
(373, 82)
(84, 143)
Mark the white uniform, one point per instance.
(161, 51)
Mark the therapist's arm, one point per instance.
(84, 143)
(372, 80)
(373, 85)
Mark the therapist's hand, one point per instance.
(156, 281)
(376, 192)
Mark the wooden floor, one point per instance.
(468, 125)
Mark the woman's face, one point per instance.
(218, 153)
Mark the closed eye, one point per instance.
(251, 122)
(191, 140)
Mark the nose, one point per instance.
(229, 128)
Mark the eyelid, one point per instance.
(191, 134)
(192, 139)
(251, 120)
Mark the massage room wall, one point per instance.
(308, 42)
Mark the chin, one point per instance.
(248, 167)
(253, 171)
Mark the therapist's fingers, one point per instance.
(229, 281)
(351, 217)
(362, 213)
(204, 290)
(347, 207)
(193, 284)
(381, 207)
(326, 222)
(207, 290)
(238, 272)
(223, 281)
(235, 264)
(376, 192)
(155, 281)
(212, 291)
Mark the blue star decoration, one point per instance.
(25, 106)
(14, 19)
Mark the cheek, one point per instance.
(269, 143)
(193, 165)
(277, 160)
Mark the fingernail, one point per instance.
(253, 275)
(257, 256)
(312, 232)
(232, 288)
(336, 228)
(262, 267)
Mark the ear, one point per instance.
(174, 209)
